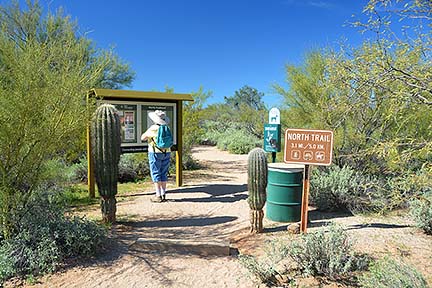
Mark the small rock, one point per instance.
(294, 228)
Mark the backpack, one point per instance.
(164, 139)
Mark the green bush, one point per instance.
(132, 167)
(242, 144)
(77, 172)
(388, 273)
(328, 252)
(235, 141)
(401, 189)
(421, 212)
(45, 237)
(189, 163)
(264, 272)
(267, 268)
(330, 188)
(338, 188)
(127, 169)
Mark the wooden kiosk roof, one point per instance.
(130, 94)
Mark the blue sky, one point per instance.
(221, 45)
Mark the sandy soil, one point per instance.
(212, 205)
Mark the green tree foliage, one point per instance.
(307, 96)
(45, 71)
(248, 96)
(248, 110)
(193, 114)
(238, 124)
(193, 131)
(413, 40)
(376, 97)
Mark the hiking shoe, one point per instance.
(163, 197)
(156, 199)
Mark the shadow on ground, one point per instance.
(376, 225)
(206, 176)
(315, 215)
(181, 222)
(216, 193)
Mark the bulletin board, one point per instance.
(134, 121)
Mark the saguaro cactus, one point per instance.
(106, 152)
(257, 185)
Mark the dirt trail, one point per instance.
(211, 205)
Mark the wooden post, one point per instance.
(179, 152)
(90, 161)
(305, 199)
(273, 157)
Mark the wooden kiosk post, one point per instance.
(134, 107)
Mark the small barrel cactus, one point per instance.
(257, 185)
(106, 152)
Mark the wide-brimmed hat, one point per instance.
(159, 117)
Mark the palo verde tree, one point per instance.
(402, 28)
(46, 69)
(193, 130)
(391, 73)
(375, 96)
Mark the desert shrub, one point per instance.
(328, 252)
(263, 271)
(235, 141)
(421, 212)
(132, 167)
(189, 163)
(401, 189)
(343, 188)
(77, 172)
(390, 273)
(329, 188)
(336, 188)
(212, 133)
(141, 164)
(242, 144)
(45, 237)
(127, 169)
(266, 268)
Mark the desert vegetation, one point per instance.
(376, 97)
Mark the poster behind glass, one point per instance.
(128, 122)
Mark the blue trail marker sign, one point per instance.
(272, 137)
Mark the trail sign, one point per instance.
(310, 147)
(274, 116)
(272, 137)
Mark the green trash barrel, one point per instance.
(284, 192)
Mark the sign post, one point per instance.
(305, 199)
(309, 147)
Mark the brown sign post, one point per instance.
(309, 147)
